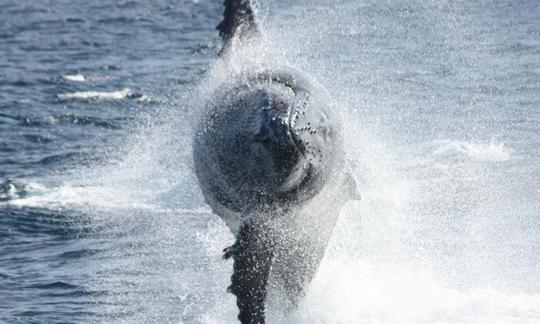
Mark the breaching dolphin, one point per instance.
(268, 154)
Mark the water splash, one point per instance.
(477, 151)
(433, 240)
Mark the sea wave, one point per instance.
(11, 189)
(74, 77)
(101, 95)
(80, 197)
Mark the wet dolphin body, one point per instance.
(268, 155)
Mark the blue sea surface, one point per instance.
(101, 216)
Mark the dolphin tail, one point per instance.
(252, 254)
(238, 22)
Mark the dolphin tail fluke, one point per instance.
(252, 254)
(238, 21)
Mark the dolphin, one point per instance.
(268, 155)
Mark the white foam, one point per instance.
(97, 95)
(478, 151)
(74, 77)
(359, 292)
(95, 197)
(80, 196)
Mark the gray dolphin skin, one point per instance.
(268, 155)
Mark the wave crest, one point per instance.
(100, 95)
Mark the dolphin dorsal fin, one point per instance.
(238, 22)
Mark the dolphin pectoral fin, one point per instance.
(230, 251)
(350, 188)
(252, 254)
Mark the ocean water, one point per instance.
(101, 217)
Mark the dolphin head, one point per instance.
(268, 141)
